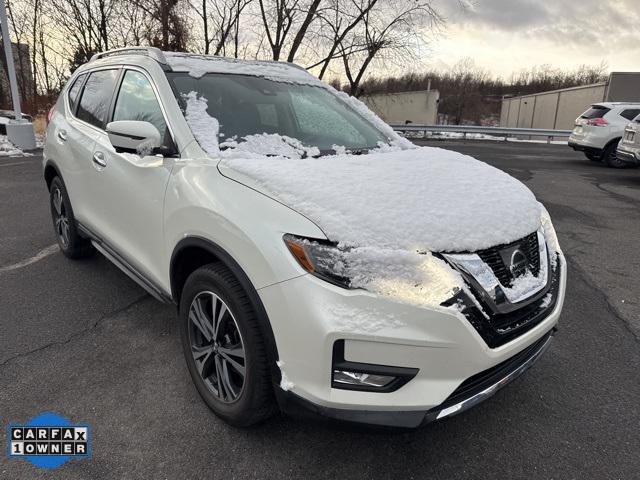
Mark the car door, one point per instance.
(72, 144)
(128, 188)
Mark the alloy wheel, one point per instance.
(217, 346)
(61, 221)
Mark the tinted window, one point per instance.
(137, 101)
(74, 91)
(631, 113)
(595, 112)
(96, 97)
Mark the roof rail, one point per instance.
(152, 52)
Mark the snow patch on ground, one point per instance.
(285, 383)
(9, 149)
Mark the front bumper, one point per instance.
(628, 155)
(471, 392)
(309, 315)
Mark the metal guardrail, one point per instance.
(493, 131)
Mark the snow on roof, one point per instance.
(198, 65)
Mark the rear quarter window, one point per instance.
(630, 113)
(595, 112)
(74, 92)
(96, 97)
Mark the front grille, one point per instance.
(501, 328)
(494, 258)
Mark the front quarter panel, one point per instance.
(248, 225)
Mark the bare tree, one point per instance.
(340, 18)
(278, 19)
(220, 21)
(390, 31)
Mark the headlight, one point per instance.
(549, 232)
(320, 258)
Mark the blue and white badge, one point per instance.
(49, 440)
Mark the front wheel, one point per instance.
(223, 347)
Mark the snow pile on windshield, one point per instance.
(204, 127)
(269, 144)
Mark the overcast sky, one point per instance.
(503, 36)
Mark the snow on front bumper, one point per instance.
(308, 315)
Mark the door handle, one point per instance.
(62, 135)
(98, 159)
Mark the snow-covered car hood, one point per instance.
(418, 199)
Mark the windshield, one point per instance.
(246, 105)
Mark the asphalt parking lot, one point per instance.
(82, 340)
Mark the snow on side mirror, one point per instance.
(134, 136)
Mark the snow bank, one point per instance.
(9, 149)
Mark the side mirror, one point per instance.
(133, 136)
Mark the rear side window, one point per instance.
(631, 113)
(137, 101)
(96, 97)
(595, 112)
(74, 91)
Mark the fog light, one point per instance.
(358, 378)
(366, 377)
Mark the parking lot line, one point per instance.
(45, 252)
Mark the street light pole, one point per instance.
(19, 131)
(11, 69)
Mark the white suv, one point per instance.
(629, 146)
(319, 262)
(598, 131)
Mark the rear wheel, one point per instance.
(70, 242)
(592, 156)
(223, 347)
(610, 158)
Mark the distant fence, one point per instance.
(492, 131)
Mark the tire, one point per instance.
(593, 157)
(70, 242)
(610, 158)
(212, 349)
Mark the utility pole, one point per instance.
(19, 131)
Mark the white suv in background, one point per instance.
(319, 262)
(598, 131)
(629, 146)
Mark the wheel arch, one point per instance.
(51, 171)
(194, 252)
(611, 142)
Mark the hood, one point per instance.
(424, 199)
